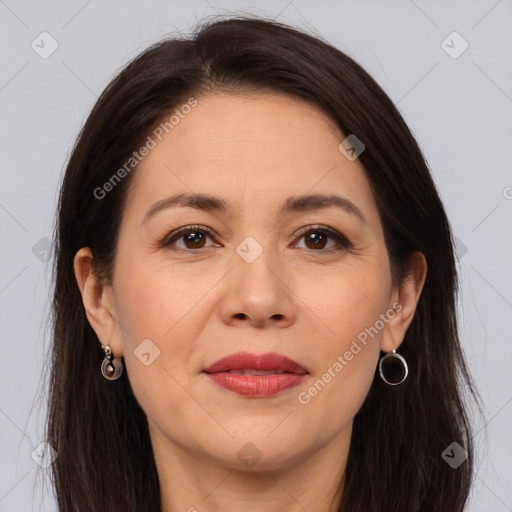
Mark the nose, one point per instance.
(258, 294)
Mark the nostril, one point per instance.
(241, 316)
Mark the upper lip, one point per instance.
(248, 361)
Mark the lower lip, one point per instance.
(256, 385)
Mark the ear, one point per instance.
(405, 299)
(98, 300)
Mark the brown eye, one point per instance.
(195, 239)
(192, 238)
(318, 238)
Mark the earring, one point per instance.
(395, 367)
(111, 367)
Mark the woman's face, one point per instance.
(278, 269)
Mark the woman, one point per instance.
(255, 288)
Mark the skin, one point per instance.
(304, 301)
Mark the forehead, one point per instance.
(249, 148)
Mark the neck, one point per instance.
(192, 483)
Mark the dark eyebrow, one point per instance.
(320, 201)
(210, 203)
(203, 202)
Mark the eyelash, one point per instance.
(343, 242)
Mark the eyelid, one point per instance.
(343, 241)
(330, 231)
(182, 231)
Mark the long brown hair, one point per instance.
(105, 460)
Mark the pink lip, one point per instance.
(248, 361)
(256, 385)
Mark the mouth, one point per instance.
(250, 372)
(256, 376)
(245, 363)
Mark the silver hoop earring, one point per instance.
(111, 367)
(395, 368)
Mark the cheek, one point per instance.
(156, 302)
(163, 315)
(347, 300)
(350, 304)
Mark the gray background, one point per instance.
(458, 108)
